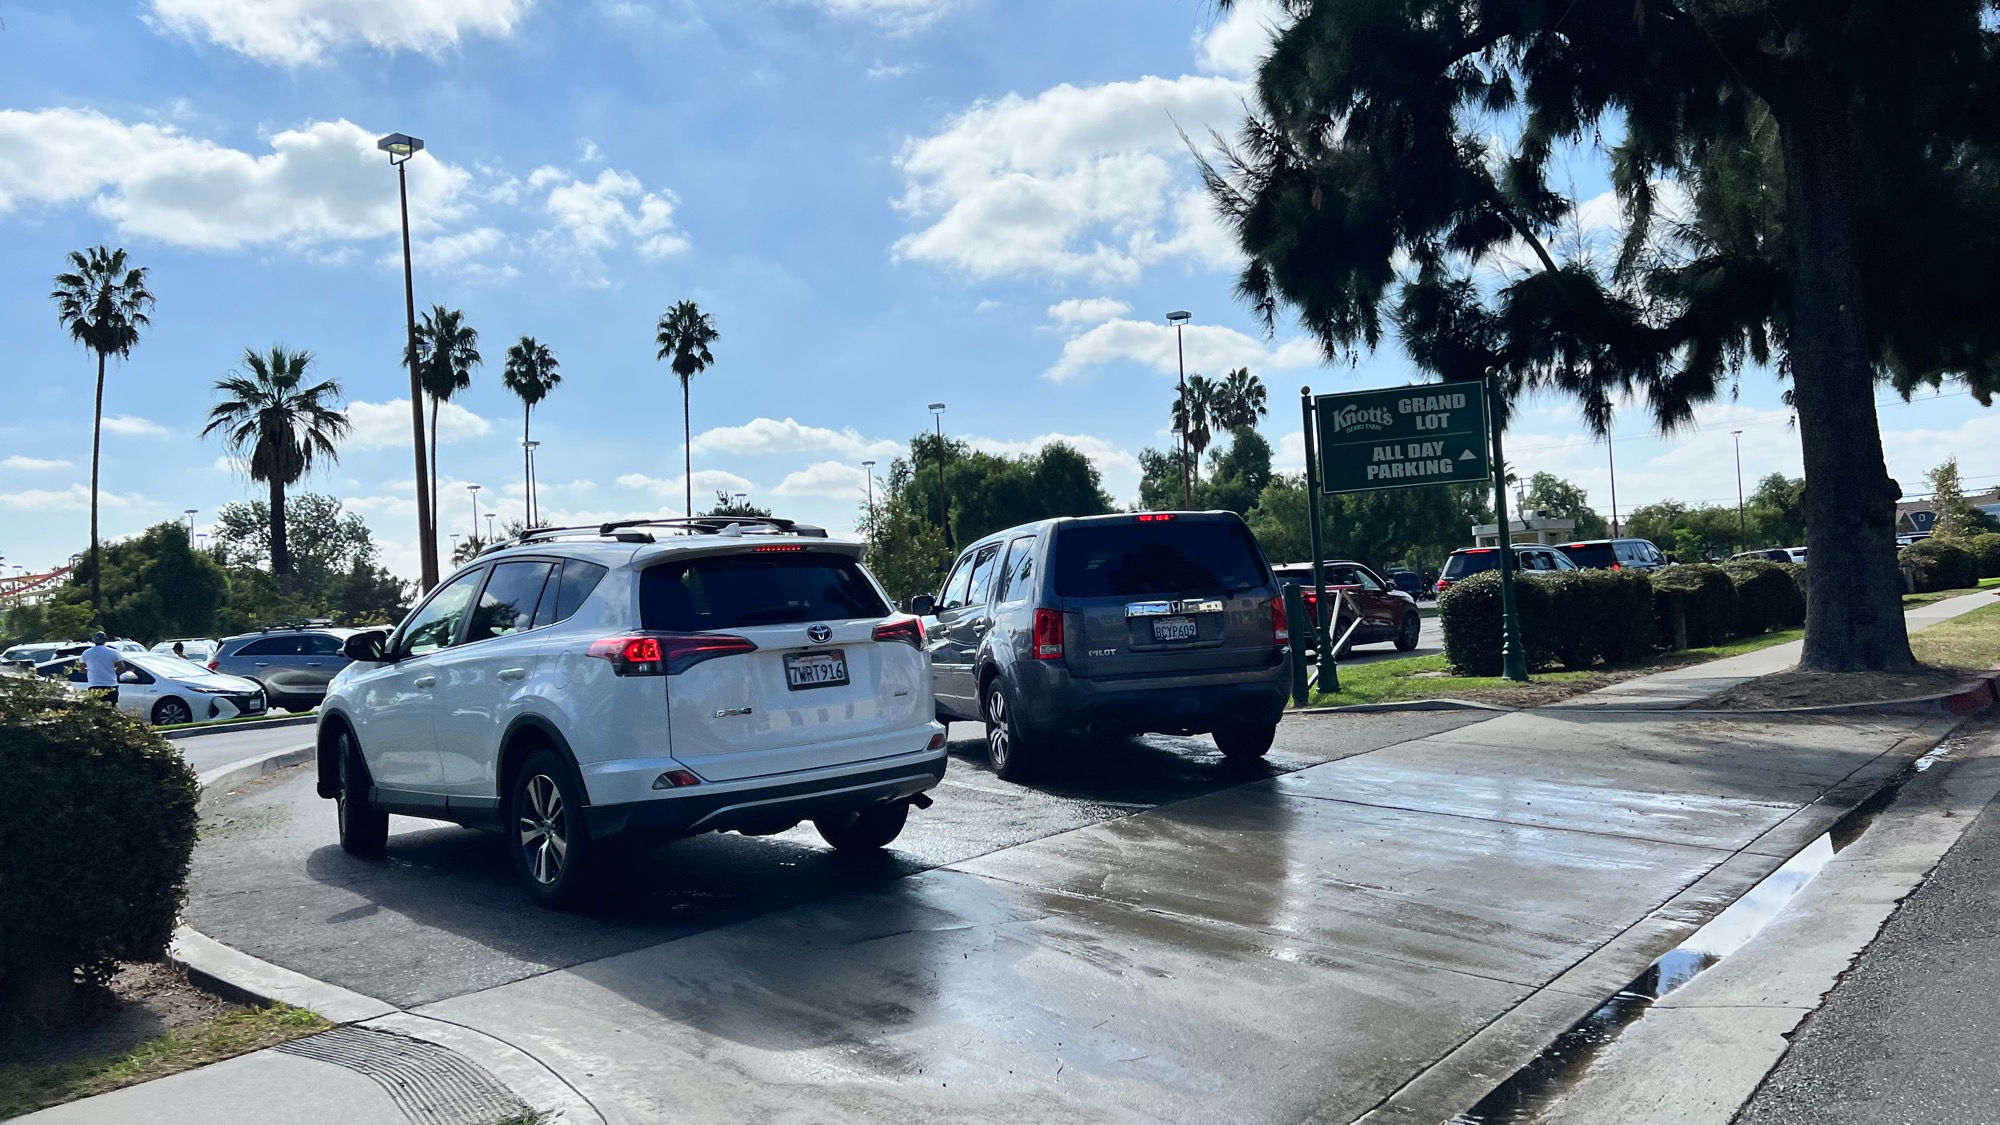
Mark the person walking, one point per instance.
(180, 650)
(100, 666)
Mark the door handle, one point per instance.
(423, 681)
(312, 663)
(512, 674)
(263, 664)
(979, 627)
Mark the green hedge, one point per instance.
(1709, 601)
(94, 858)
(1767, 597)
(1985, 548)
(1575, 618)
(1941, 564)
(1469, 612)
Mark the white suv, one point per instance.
(638, 681)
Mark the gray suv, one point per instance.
(294, 663)
(1154, 622)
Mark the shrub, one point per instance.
(1469, 611)
(1708, 599)
(1766, 597)
(96, 875)
(1941, 564)
(1985, 550)
(1574, 618)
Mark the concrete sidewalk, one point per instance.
(1387, 935)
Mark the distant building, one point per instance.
(1528, 527)
(1914, 517)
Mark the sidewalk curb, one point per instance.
(236, 975)
(219, 781)
(1440, 704)
(231, 728)
(1982, 692)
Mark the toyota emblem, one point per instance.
(819, 634)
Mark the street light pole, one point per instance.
(528, 448)
(1738, 435)
(1611, 459)
(489, 528)
(401, 147)
(1177, 318)
(868, 467)
(474, 490)
(944, 502)
(190, 515)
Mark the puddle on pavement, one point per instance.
(1536, 1087)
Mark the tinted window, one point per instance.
(1465, 564)
(435, 626)
(577, 581)
(956, 585)
(737, 591)
(1161, 557)
(271, 646)
(507, 604)
(983, 565)
(1017, 580)
(1592, 554)
(320, 644)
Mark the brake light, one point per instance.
(770, 547)
(909, 630)
(212, 666)
(1049, 634)
(1614, 566)
(1280, 630)
(666, 654)
(1154, 517)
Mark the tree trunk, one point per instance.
(96, 437)
(281, 554)
(527, 481)
(435, 518)
(1854, 613)
(687, 448)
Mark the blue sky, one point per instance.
(881, 202)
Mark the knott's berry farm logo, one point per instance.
(1351, 418)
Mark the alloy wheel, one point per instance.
(999, 742)
(544, 843)
(172, 712)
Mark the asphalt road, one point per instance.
(441, 916)
(210, 751)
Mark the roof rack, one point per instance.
(288, 626)
(632, 530)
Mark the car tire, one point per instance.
(546, 837)
(1245, 743)
(1010, 755)
(1411, 631)
(364, 829)
(863, 830)
(172, 711)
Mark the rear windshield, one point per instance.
(1163, 557)
(1591, 554)
(736, 591)
(1464, 564)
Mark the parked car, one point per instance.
(1409, 582)
(294, 663)
(1798, 554)
(1155, 622)
(1528, 558)
(41, 652)
(638, 681)
(164, 689)
(198, 649)
(1769, 554)
(1386, 614)
(1615, 554)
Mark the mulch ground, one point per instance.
(1818, 689)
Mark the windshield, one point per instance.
(736, 591)
(1464, 564)
(1105, 560)
(1591, 554)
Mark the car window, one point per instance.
(1158, 556)
(1017, 577)
(1464, 564)
(271, 646)
(507, 604)
(741, 590)
(321, 644)
(956, 586)
(578, 579)
(1561, 561)
(983, 565)
(435, 625)
(1367, 580)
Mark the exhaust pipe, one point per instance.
(922, 801)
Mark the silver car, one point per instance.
(293, 663)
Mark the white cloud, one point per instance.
(131, 425)
(1211, 349)
(231, 465)
(880, 69)
(595, 214)
(891, 15)
(769, 435)
(1241, 38)
(300, 32)
(707, 482)
(1087, 310)
(384, 425)
(459, 254)
(34, 464)
(321, 182)
(825, 478)
(75, 498)
(1075, 181)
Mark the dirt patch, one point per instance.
(143, 1002)
(1819, 689)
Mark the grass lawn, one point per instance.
(1968, 641)
(1429, 677)
(27, 1088)
(1910, 600)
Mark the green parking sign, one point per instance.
(1403, 437)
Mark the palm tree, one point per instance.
(280, 427)
(685, 332)
(102, 301)
(531, 374)
(1194, 415)
(447, 351)
(1239, 400)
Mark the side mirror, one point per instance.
(366, 648)
(128, 677)
(923, 605)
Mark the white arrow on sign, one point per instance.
(1467, 456)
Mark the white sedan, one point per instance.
(201, 650)
(165, 690)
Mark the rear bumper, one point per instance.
(1052, 700)
(767, 804)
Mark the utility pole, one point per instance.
(401, 147)
(1740, 544)
(1177, 318)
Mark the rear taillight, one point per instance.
(908, 630)
(1154, 517)
(1280, 631)
(1048, 635)
(666, 654)
(212, 666)
(1614, 566)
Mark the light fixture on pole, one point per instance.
(401, 147)
(489, 527)
(944, 503)
(868, 467)
(534, 512)
(1738, 435)
(474, 490)
(190, 515)
(1179, 318)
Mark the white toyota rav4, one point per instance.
(638, 681)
